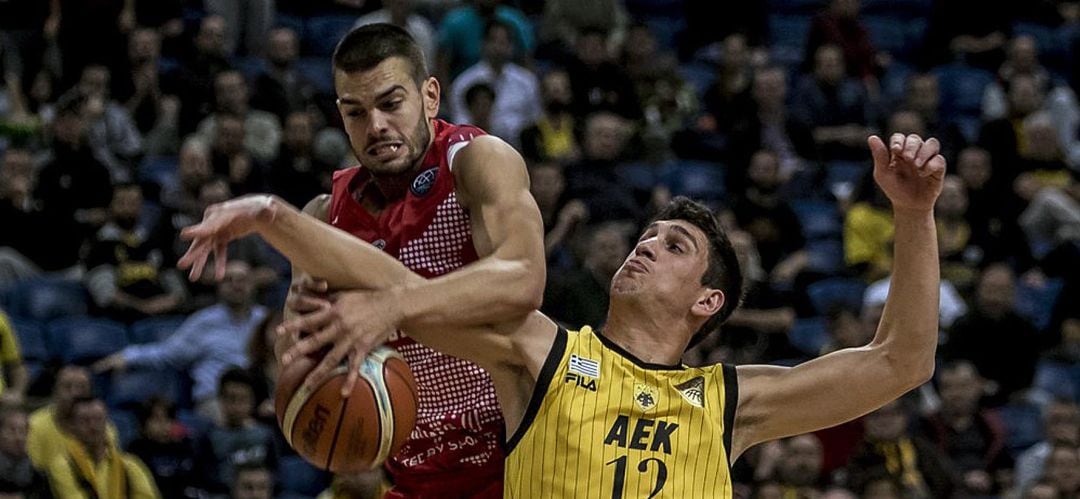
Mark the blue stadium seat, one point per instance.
(888, 34)
(1023, 425)
(819, 219)
(809, 335)
(129, 388)
(639, 175)
(849, 172)
(1037, 304)
(161, 170)
(31, 337)
(317, 71)
(804, 7)
(250, 67)
(825, 255)
(127, 426)
(666, 30)
(300, 477)
(1045, 36)
(48, 298)
(82, 340)
(836, 290)
(701, 180)
(789, 31)
(962, 88)
(155, 329)
(1057, 379)
(698, 74)
(321, 34)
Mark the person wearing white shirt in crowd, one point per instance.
(517, 91)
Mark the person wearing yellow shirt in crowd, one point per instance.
(92, 466)
(13, 379)
(51, 426)
(868, 233)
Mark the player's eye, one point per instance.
(391, 105)
(675, 248)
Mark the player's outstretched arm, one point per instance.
(776, 401)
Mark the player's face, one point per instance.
(387, 117)
(666, 265)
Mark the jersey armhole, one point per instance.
(731, 400)
(540, 390)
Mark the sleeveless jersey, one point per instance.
(602, 423)
(459, 427)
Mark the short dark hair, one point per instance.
(495, 24)
(367, 46)
(145, 410)
(474, 92)
(236, 375)
(723, 272)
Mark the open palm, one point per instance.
(909, 170)
(221, 224)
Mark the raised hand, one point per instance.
(222, 223)
(909, 170)
(351, 324)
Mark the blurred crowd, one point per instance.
(122, 120)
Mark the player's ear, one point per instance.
(431, 92)
(709, 303)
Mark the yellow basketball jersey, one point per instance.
(602, 423)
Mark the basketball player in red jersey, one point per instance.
(450, 203)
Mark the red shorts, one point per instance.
(461, 486)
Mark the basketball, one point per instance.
(354, 434)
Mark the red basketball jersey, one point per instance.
(455, 449)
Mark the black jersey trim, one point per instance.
(540, 390)
(731, 400)
(632, 358)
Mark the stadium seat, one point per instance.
(49, 298)
(130, 387)
(31, 337)
(299, 477)
(1023, 425)
(962, 88)
(789, 31)
(825, 255)
(639, 175)
(321, 34)
(888, 34)
(1037, 303)
(809, 335)
(127, 426)
(666, 30)
(83, 340)
(161, 170)
(846, 172)
(1057, 379)
(317, 71)
(154, 329)
(250, 67)
(699, 75)
(701, 180)
(836, 290)
(819, 219)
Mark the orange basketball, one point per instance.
(348, 435)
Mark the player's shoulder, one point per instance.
(319, 206)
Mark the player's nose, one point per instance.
(647, 249)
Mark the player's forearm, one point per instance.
(324, 252)
(907, 334)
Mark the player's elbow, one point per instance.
(909, 369)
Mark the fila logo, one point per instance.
(693, 391)
(584, 367)
(581, 381)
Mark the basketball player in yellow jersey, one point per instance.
(612, 413)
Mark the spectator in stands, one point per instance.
(281, 89)
(19, 216)
(238, 439)
(262, 130)
(564, 19)
(1000, 136)
(667, 101)
(263, 366)
(767, 216)
(868, 232)
(995, 234)
(953, 34)
(164, 17)
(708, 22)
(562, 216)
(1042, 160)
(1061, 427)
(580, 296)
(1052, 222)
(1002, 345)
(23, 32)
(73, 186)
(794, 464)
(839, 25)
(598, 83)
(91, 465)
(517, 92)
(155, 113)
(53, 425)
(194, 80)
(890, 450)
(770, 125)
(834, 106)
(13, 376)
(193, 171)
(231, 159)
(972, 438)
(207, 343)
(92, 33)
(922, 95)
(17, 473)
(552, 136)
(402, 13)
(248, 21)
(951, 306)
(111, 133)
(297, 174)
(848, 328)
(1022, 57)
(253, 481)
(479, 103)
(128, 276)
(1063, 469)
(593, 179)
(461, 35)
(958, 263)
(166, 448)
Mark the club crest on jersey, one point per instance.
(379, 243)
(422, 184)
(645, 396)
(693, 390)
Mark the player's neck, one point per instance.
(650, 338)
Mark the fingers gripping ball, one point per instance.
(348, 435)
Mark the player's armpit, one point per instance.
(776, 402)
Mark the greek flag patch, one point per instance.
(584, 367)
